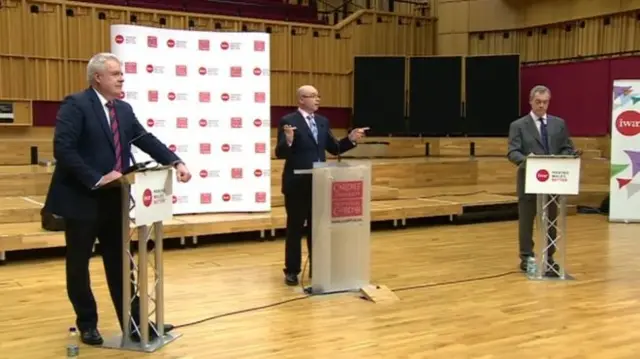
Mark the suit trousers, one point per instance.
(297, 203)
(527, 210)
(80, 237)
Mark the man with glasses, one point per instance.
(303, 138)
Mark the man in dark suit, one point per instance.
(92, 148)
(541, 134)
(303, 138)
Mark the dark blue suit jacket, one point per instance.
(304, 150)
(84, 152)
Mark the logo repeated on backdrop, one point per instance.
(155, 69)
(156, 123)
(208, 71)
(206, 96)
(130, 67)
(227, 45)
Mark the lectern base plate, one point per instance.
(379, 294)
(118, 342)
(552, 279)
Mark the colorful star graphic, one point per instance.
(620, 90)
(634, 157)
(615, 169)
(632, 188)
(623, 182)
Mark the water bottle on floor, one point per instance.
(73, 350)
(531, 267)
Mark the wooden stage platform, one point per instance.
(460, 293)
(467, 302)
(403, 189)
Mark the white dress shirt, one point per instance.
(536, 120)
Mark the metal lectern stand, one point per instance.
(144, 327)
(552, 178)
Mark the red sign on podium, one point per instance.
(346, 199)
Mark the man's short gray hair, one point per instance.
(538, 89)
(97, 64)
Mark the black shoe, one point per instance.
(152, 334)
(291, 279)
(91, 337)
(523, 263)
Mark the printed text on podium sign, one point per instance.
(346, 201)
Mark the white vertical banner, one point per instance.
(206, 95)
(624, 203)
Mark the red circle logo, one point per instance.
(150, 122)
(202, 70)
(257, 172)
(257, 71)
(226, 197)
(147, 197)
(121, 95)
(203, 122)
(171, 96)
(172, 148)
(542, 175)
(174, 199)
(119, 39)
(226, 147)
(628, 123)
(224, 45)
(171, 43)
(149, 68)
(257, 122)
(204, 173)
(225, 97)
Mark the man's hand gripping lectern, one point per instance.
(152, 204)
(551, 178)
(341, 229)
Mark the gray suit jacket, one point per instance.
(524, 139)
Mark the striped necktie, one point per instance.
(116, 135)
(314, 128)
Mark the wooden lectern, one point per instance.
(341, 229)
(152, 204)
(552, 178)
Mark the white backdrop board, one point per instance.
(206, 95)
(624, 200)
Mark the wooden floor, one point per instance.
(596, 316)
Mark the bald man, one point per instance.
(303, 138)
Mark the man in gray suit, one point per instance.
(541, 134)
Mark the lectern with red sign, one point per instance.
(341, 226)
(152, 204)
(552, 178)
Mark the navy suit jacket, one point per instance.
(304, 150)
(84, 152)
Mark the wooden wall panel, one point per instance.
(589, 37)
(46, 57)
(12, 28)
(13, 77)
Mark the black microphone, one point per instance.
(136, 166)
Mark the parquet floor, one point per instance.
(596, 316)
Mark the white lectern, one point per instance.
(341, 226)
(551, 178)
(152, 204)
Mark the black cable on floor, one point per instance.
(420, 286)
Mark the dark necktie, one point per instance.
(116, 135)
(544, 135)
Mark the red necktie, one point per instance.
(116, 135)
